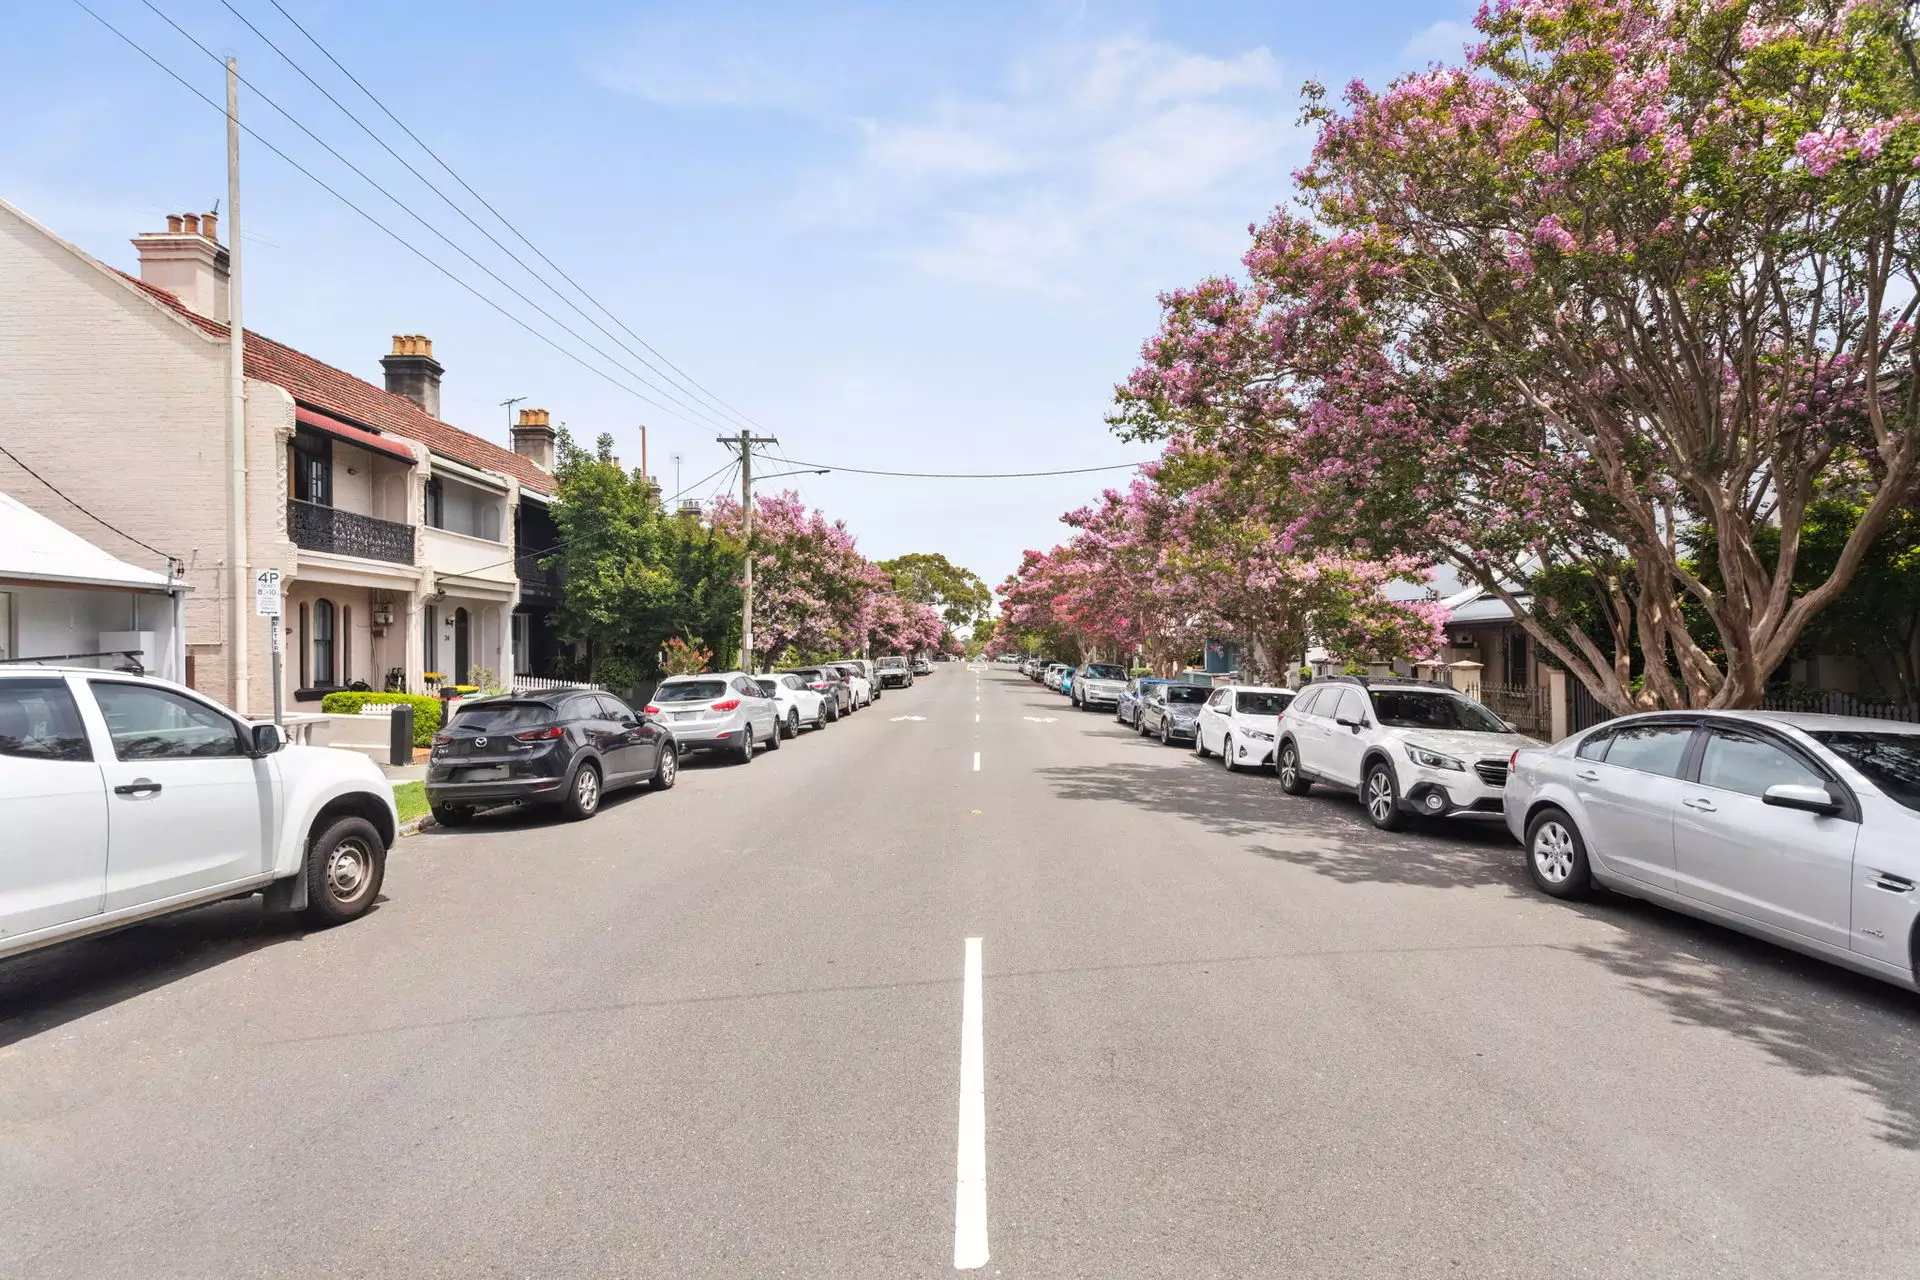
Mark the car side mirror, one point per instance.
(267, 739)
(1345, 723)
(1793, 795)
(1511, 726)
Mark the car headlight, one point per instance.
(1433, 759)
(1255, 733)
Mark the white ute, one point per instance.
(123, 798)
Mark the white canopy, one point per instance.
(35, 549)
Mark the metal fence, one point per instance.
(1583, 709)
(1525, 706)
(542, 684)
(1826, 702)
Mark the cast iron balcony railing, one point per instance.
(536, 583)
(347, 533)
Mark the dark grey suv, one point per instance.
(567, 748)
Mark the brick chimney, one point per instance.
(188, 262)
(413, 372)
(533, 438)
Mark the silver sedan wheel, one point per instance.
(1553, 852)
(1380, 796)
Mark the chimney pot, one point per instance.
(534, 439)
(173, 224)
(209, 224)
(192, 221)
(187, 261)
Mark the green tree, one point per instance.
(932, 579)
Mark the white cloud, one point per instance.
(1441, 42)
(720, 62)
(1091, 154)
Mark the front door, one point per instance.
(1782, 867)
(1344, 743)
(626, 750)
(188, 806)
(1631, 796)
(462, 647)
(50, 785)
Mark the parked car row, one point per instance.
(1801, 829)
(570, 747)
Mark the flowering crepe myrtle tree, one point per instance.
(813, 592)
(1636, 280)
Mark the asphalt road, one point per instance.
(718, 1032)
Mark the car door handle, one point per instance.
(138, 787)
(1588, 775)
(1700, 806)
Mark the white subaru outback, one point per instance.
(123, 798)
(1405, 746)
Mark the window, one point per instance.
(1353, 706)
(1218, 701)
(6, 624)
(1185, 693)
(770, 688)
(1749, 765)
(691, 691)
(300, 636)
(614, 709)
(435, 504)
(1433, 709)
(1105, 671)
(430, 640)
(313, 468)
(323, 642)
(582, 707)
(1261, 704)
(148, 723)
(39, 721)
(498, 717)
(1651, 748)
(1305, 703)
(1891, 760)
(1595, 746)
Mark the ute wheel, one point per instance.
(1292, 780)
(583, 794)
(452, 815)
(1380, 796)
(345, 867)
(745, 754)
(1557, 856)
(666, 769)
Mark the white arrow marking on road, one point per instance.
(898, 719)
(970, 1180)
(1039, 719)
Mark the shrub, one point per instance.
(426, 711)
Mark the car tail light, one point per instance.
(818, 686)
(442, 739)
(651, 709)
(731, 704)
(539, 735)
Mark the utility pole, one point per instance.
(237, 416)
(745, 442)
(644, 473)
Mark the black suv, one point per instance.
(568, 747)
(829, 681)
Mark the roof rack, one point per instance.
(1366, 682)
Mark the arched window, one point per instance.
(322, 642)
(300, 645)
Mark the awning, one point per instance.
(35, 550)
(351, 434)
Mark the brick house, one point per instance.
(394, 531)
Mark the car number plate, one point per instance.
(686, 715)
(485, 773)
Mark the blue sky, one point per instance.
(901, 236)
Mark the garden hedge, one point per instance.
(426, 711)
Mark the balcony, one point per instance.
(538, 585)
(346, 533)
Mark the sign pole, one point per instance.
(278, 696)
(266, 603)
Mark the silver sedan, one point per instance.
(1803, 829)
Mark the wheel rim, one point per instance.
(669, 766)
(1379, 795)
(1226, 752)
(1289, 767)
(586, 790)
(793, 723)
(1553, 852)
(349, 869)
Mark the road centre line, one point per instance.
(976, 762)
(970, 1165)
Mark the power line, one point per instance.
(444, 238)
(82, 510)
(446, 199)
(381, 226)
(687, 380)
(961, 475)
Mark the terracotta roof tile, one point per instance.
(321, 386)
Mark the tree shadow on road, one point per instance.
(1814, 1018)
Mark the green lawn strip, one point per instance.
(411, 798)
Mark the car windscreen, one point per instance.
(1195, 693)
(890, 664)
(497, 717)
(1261, 704)
(809, 674)
(768, 687)
(1891, 761)
(691, 691)
(1106, 671)
(1421, 709)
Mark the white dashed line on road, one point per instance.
(970, 1167)
(976, 762)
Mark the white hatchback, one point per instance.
(1240, 724)
(798, 704)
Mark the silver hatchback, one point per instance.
(726, 712)
(1803, 829)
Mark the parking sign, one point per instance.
(266, 593)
